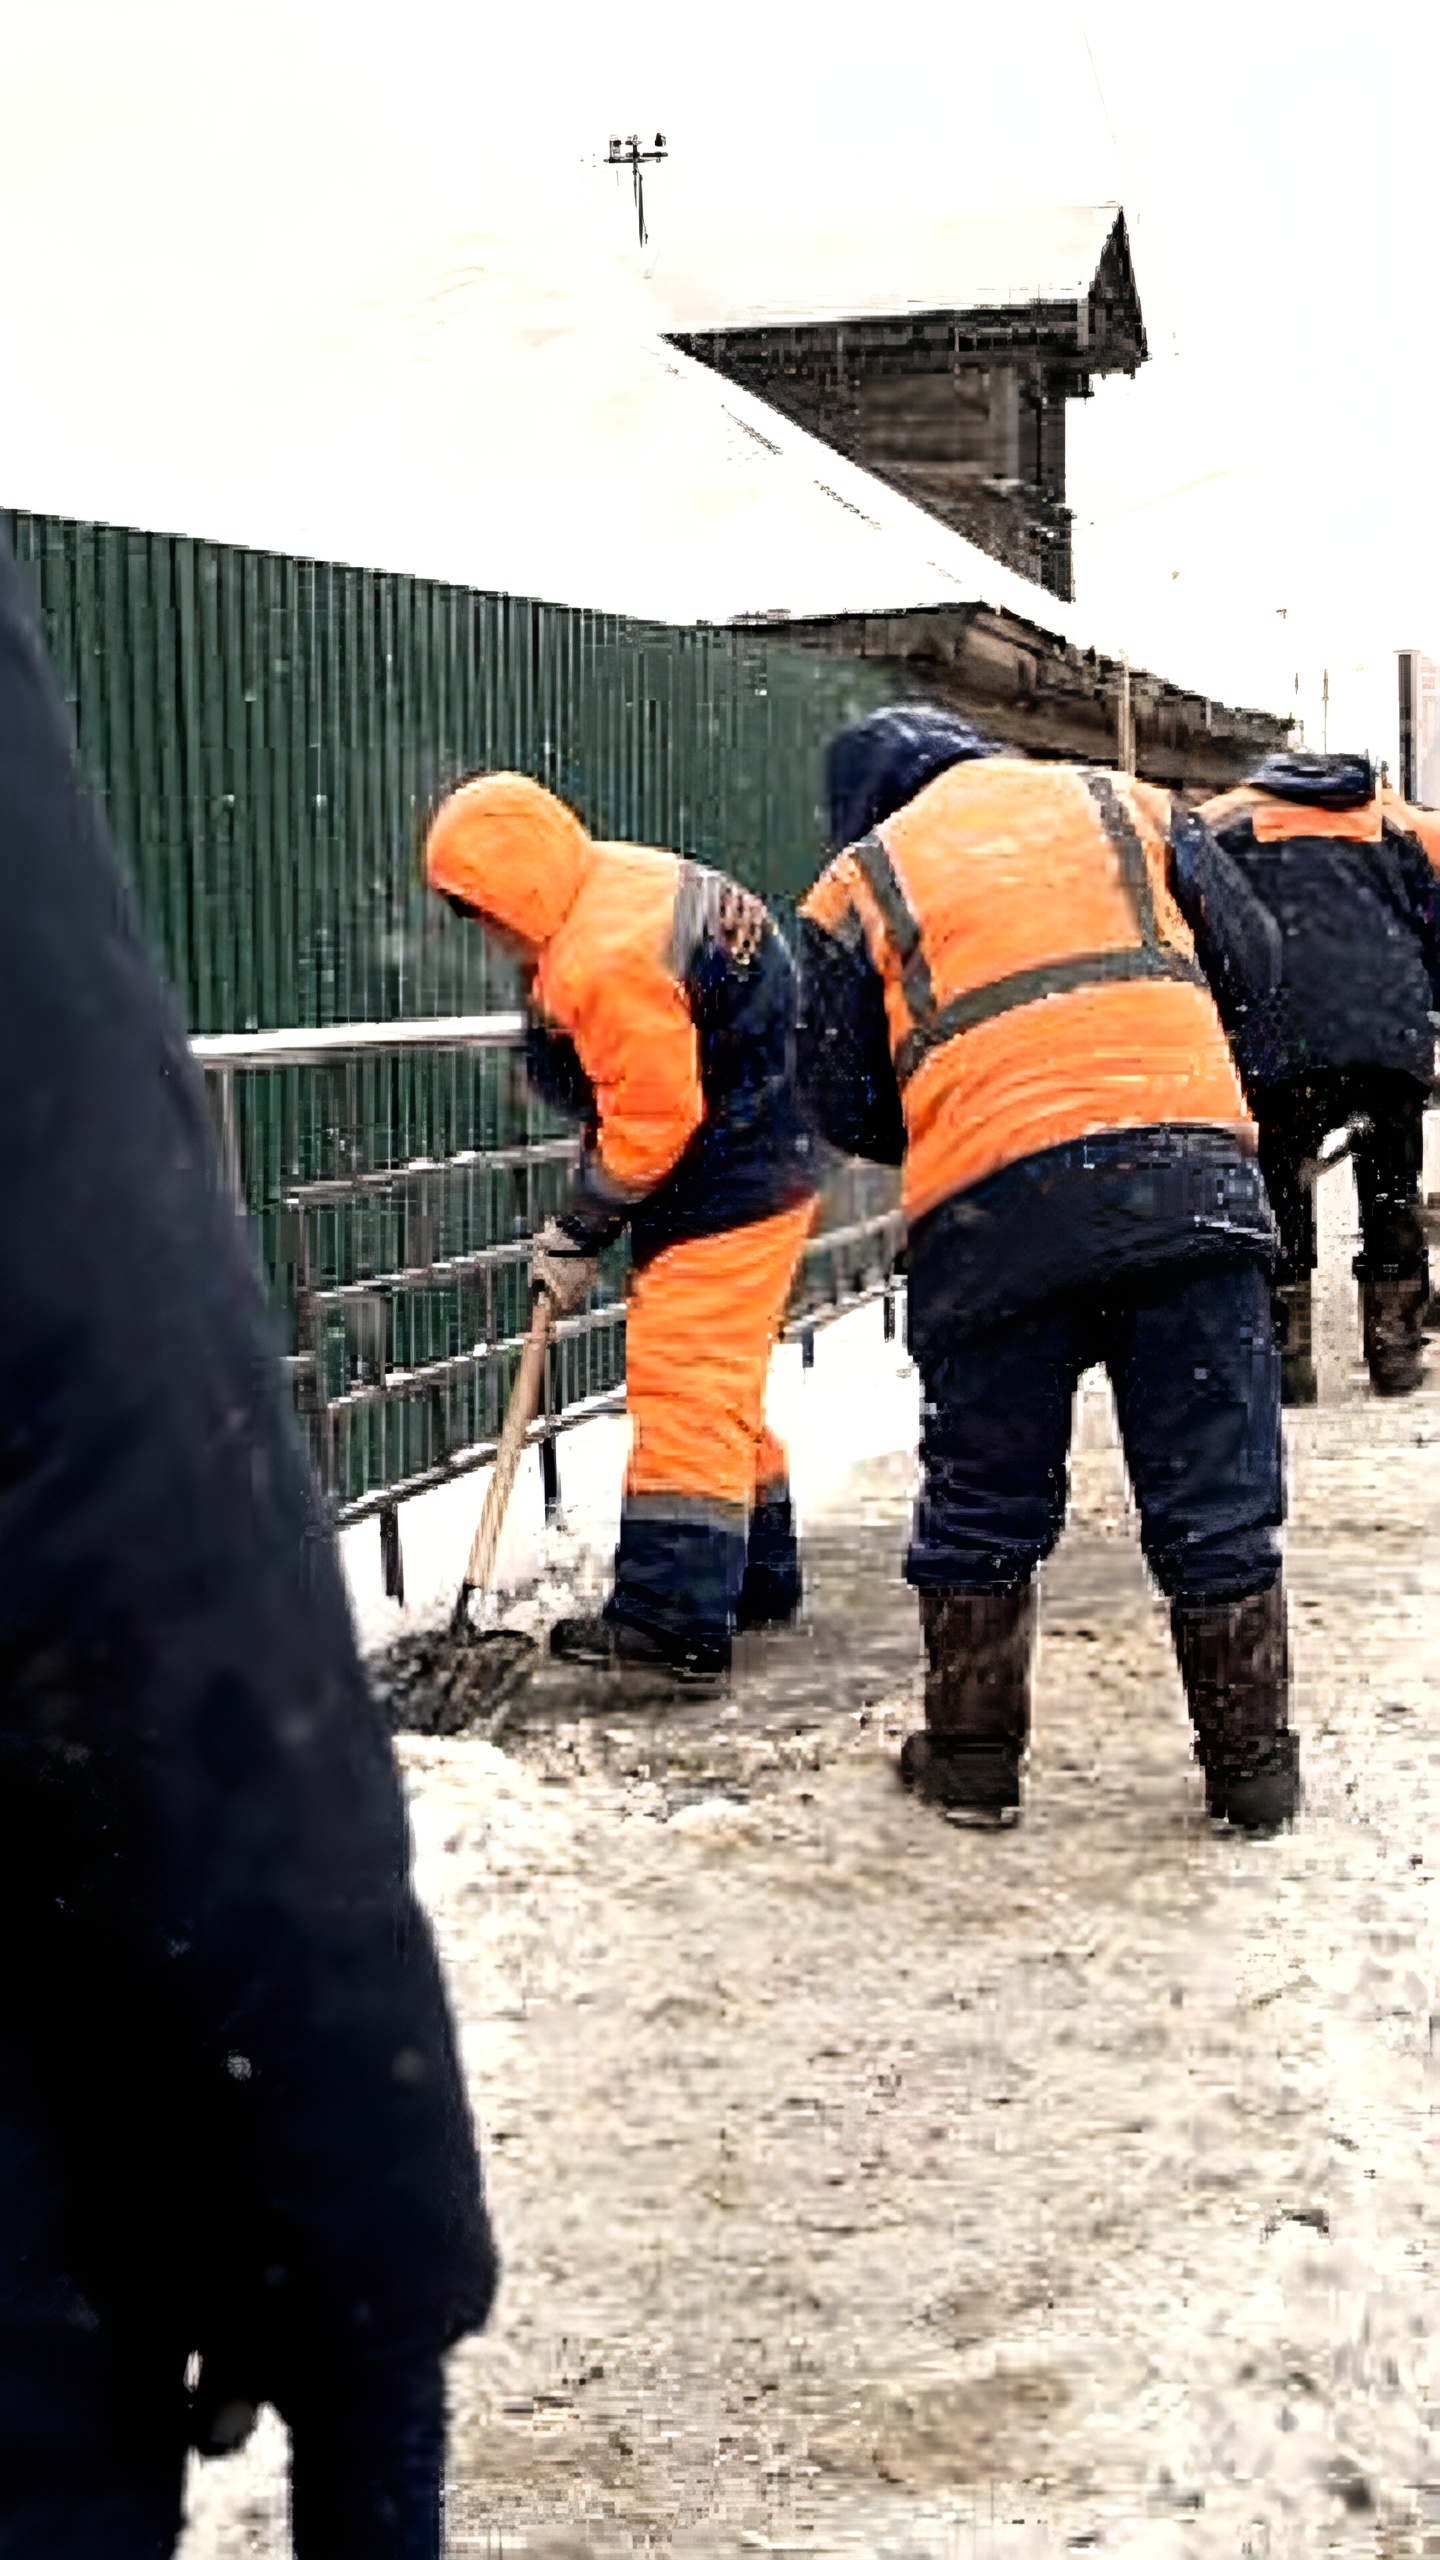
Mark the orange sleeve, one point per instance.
(639, 1047)
(842, 891)
(832, 893)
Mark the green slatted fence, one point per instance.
(268, 735)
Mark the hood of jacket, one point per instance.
(1318, 782)
(505, 847)
(877, 766)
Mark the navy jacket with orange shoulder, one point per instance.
(1348, 872)
(662, 1005)
(1001, 988)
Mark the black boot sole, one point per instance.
(1405, 1382)
(1262, 1803)
(979, 1785)
(616, 1661)
(747, 1620)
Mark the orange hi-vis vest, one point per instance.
(1040, 982)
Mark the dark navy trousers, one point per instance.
(1191, 1358)
(1388, 1154)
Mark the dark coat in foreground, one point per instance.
(232, 2119)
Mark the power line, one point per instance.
(1161, 498)
(1099, 92)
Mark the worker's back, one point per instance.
(1040, 982)
(1346, 887)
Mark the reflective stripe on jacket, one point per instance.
(1040, 983)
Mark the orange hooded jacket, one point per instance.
(599, 919)
(618, 933)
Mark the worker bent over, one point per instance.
(662, 1005)
(999, 987)
(1346, 871)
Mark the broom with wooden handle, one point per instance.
(523, 1407)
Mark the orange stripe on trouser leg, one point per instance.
(702, 1318)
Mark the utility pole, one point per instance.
(1407, 660)
(631, 154)
(1325, 715)
(1126, 724)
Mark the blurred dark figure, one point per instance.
(1002, 987)
(234, 2138)
(1346, 870)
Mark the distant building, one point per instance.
(312, 558)
(943, 362)
(302, 567)
(1046, 695)
(1420, 728)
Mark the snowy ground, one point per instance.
(870, 2186)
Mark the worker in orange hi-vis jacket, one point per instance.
(1349, 874)
(1005, 987)
(662, 1006)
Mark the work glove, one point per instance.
(562, 1268)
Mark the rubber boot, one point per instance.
(1392, 1315)
(606, 1644)
(770, 1592)
(977, 1702)
(1235, 1665)
(1291, 1312)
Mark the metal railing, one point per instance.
(225, 1055)
(405, 1282)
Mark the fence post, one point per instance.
(392, 1560)
(229, 1136)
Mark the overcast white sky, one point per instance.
(1255, 507)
